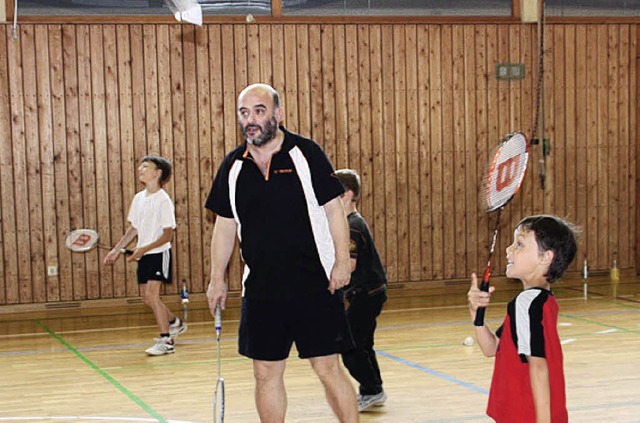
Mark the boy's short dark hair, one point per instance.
(350, 180)
(555, 234)
(161, 163)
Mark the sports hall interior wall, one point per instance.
(415, 108)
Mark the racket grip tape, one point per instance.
(126, 251)
(218, 318)
(479, 320)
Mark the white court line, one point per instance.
(607, 331)
(567, 341)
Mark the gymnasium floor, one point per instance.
(88, 365)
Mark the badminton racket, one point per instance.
(83, 240)
(502, 181)
(218, 396)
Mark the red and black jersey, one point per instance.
(529, 329)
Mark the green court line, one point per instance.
(104, 374)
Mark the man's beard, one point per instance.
(267, 133)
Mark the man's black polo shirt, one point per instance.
(283, 228)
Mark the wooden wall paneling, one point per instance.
(33, 167)
(530, 52)
(471, 188)
(452, 220)
(401, 61)
(291, 92)
(101, 152)
(45, 133)
(202, 144)
(565, 129)
(9, 273)
(422, 155)
(195, 105)
(230, 73)
(341, 108)
(459, 163)
(71, 59)
(140, 148)
(436, 153)
(254, 44)
(304, 93)
(553, 165)
(315, 85)
(361, 125)
(412, 213)
(241, 63)
(555, 105)
(60, 168)
(325, 91)
(352, 141)
(592, 146)
(389, 148)
(87, 151)
(377, 143)
(278, 62)
(579, 128)
(611, 137)
(627, 111)
(180, 97)
(632, 125)
(603, 144)
(150, 54)
(477, 140)
(267, 56)
(122, 270)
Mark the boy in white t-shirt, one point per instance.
(152, 221)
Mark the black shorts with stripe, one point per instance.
(155, 267)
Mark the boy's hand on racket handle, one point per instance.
(476, 297)
(216, 295)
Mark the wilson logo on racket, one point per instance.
(508, 172)
(82, 240)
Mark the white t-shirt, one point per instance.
(149, 214)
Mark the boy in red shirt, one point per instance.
(528, 377)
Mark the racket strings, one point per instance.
(506, 172)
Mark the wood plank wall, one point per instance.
(415, 108)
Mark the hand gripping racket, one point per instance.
(83, 240)
(218, 397)
(502, 182)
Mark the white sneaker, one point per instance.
(176, 328)
(367, 401)
(163, 346)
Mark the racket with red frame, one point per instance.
(502, 181)
(83, 240)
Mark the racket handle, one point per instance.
(126, 251)
(218, 319)
(479, 320)
(484, 286)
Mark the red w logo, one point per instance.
(82, 240)
(507, 172)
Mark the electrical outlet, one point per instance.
(52, 270)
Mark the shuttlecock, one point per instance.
(250, 18)
(468, 341)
